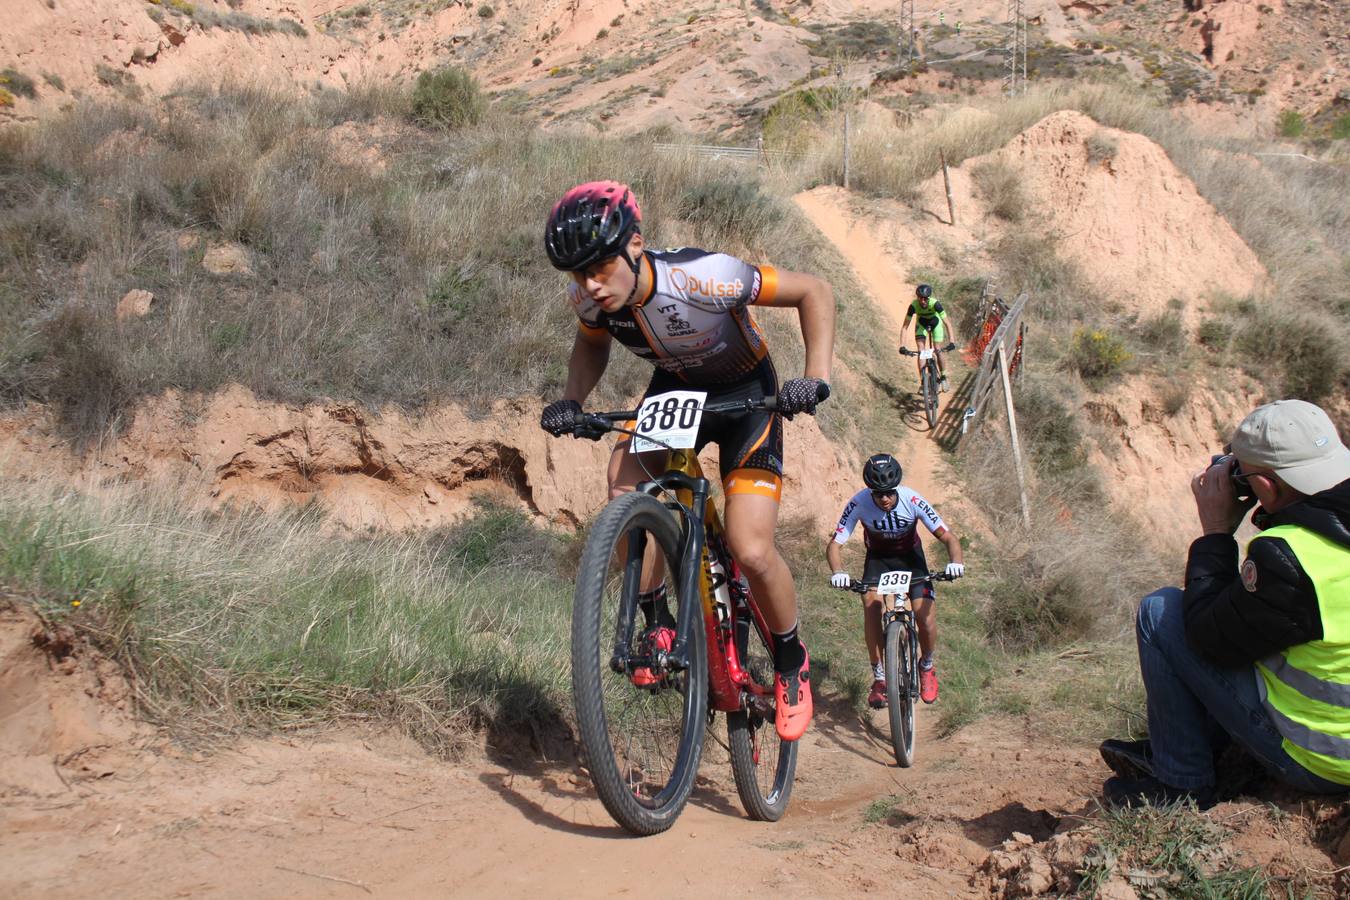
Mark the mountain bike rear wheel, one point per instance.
(642, 743)
(900, 690)
(763, 763)
(930, 394)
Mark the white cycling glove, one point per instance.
(840, 580)
(955, 570)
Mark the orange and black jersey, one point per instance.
(695, 323)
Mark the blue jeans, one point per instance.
(1196, 707)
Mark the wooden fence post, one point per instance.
(1012, 432)
(947, 182)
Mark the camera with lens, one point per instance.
(1242, 488)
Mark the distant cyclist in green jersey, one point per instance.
(932, 324)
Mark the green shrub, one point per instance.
(1305, 355)
(729, 209)
(1096, 354)
(1292, 124)
(448, 98)
(486, 12)
(1101, 147)
(1164, 333)
(18, 83)
(1000, 185)
(1214, 333)
(1050, 432)
(1340, 128)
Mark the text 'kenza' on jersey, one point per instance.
(888, 533)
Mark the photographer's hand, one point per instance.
(1216, 500)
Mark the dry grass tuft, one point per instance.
(398, 282)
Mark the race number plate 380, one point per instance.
(896, 582)
(671, 418)
(925, 354)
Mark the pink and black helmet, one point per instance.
(592, 222)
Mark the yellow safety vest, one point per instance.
(1306, 687)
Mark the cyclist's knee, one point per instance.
(754, 553)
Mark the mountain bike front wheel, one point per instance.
(930, 394)
(642, 726)
(764, 764)
(901, 672)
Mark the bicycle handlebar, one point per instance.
(862, 587)
(607, 419)
(905, 351)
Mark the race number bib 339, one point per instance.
(671, 418)
(896, 582)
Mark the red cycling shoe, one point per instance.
(877, 698)
(792, 691)
(659, 637)
(928, 685)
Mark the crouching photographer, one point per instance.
(1259, 653)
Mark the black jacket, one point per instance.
(1230, 625)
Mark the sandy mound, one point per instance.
(64, 709)
(1137, 227)
(381, 470)
(1148, 457)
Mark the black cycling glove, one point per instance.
(801, 395)
(560, 417)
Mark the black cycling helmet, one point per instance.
(592, 222)
(881, 472)
(924, 290)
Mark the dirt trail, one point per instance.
(345, 812)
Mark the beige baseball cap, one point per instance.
(1297, 441)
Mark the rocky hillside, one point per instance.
(630, 64)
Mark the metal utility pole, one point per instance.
(1015, 62)
(908, 34)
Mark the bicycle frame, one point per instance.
(702, 540)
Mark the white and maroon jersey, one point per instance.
(696, 321)
(888, 533)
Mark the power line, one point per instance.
(1015, 60)
(908, 34)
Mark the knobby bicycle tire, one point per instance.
(900, 691)
(930, 394)
(753, 737)
(592, 643)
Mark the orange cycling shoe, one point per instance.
(792, 691)
(928, 686)
(877, 698)
(658, 638)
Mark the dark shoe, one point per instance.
(877, 698)
(1149, 791)
(1128, 759)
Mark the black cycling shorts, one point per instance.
(914, 563)
(745, 440)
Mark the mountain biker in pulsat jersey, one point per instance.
(687, 311)
(890, 513)
(932, 324)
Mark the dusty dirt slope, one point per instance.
(93, 803)
(383, 470)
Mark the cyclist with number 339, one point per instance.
(688, 312)
(890, 514)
